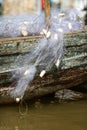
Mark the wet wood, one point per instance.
(50, 83)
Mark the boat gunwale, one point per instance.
(36, 37)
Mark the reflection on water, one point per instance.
(64, 116)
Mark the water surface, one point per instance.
(45, 116)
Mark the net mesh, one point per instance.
(47, 52)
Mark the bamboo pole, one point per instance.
(47, 12)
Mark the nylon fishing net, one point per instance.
(45, 53)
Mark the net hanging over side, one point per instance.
(49, 49)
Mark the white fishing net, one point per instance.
(47, 52)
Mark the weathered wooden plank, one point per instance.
(75, 54)
(50, 83)
(22, 44)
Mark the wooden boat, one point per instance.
(72, 72)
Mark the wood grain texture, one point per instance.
(50, 83)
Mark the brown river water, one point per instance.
(44, 116)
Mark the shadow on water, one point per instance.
(45, 114)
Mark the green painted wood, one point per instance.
(75, 54)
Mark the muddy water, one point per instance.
(45, 116)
